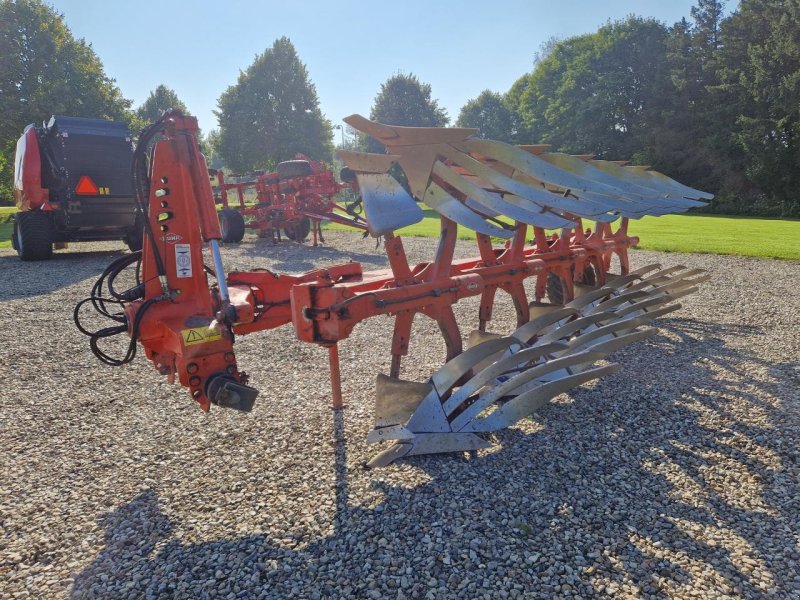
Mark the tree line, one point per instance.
(712, 100)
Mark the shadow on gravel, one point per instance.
(293, 257)
(605, 495)
(25, 279)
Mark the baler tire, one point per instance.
(298, 231)
(294, 168)
(34, 235)
(231, 225)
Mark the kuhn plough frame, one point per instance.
(187, 325)
(296, 198)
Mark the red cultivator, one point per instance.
(296, 199)
(187, 325)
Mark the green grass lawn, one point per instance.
(744, 236)
(713, 234)
(768, 238)
(6, 227)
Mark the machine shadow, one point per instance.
(295, 257)
(24, 279)
(638, 499)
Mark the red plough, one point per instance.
(187, 322)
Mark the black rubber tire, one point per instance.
(134, 239)
(347, 175)
(589, 275)
(34, 235)
(555, 287)
(231, 225)
(298, 230)
(294, 168)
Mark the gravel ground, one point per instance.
(677, 477)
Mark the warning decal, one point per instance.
(183, 260)
(200, 335)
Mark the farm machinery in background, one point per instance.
(295, 199)
(72, 184)
(186, 314)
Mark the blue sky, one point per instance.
(349, 47)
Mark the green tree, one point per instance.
(760, 53)
(44, 70)
(404, 100)
(596, 92)
(489, 113)
(159, 100)
(272, 113)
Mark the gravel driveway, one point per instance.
(678, 476)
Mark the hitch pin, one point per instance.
(220, 271)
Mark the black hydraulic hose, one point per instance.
(139, 181)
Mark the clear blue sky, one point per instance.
(349, 47)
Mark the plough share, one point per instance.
(186, 314)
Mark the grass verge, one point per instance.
(703, 234)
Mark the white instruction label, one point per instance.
(183, 260)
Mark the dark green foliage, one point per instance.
(489, 113)
(761, 76)
(159, 100)
(404, 100)
(596, 92)
(272, 113)
(714, 102)
(44, 70)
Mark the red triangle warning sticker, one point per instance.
(86, 187)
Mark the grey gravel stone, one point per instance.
(677, 477)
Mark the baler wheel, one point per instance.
(294, 168)
(298, 230)
(231, 225)
(33, 235)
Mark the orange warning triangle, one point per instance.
(86, 187)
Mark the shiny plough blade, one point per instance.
(473, 181)
(500, 380)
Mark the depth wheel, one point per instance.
(298, 230)
(555, 287)
(231, 225)
(33, 235)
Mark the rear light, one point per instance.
(86, 187)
